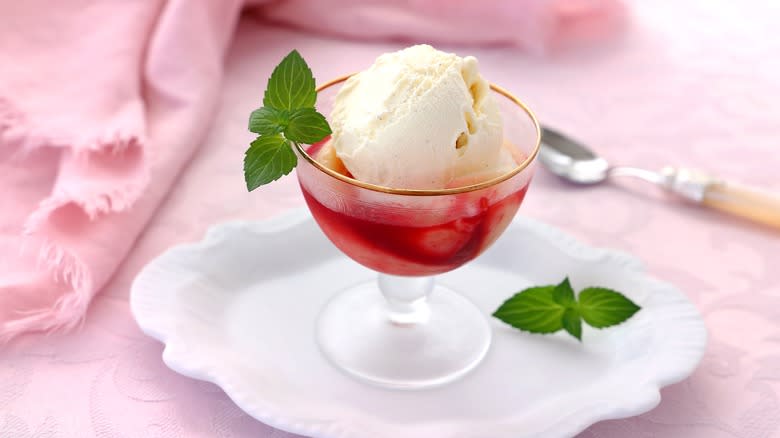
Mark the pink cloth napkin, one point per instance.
(537, 25)
(103, 103)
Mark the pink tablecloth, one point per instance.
(693, 84)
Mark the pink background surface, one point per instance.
(693, 84)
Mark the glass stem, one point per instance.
(407, 298)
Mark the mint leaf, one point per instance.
(563, 294)
(268, 158)
(601, 307)
(306, 126)
(533, 310)
(547, 309)
(572, 322)
(291, 85)
(268, 121)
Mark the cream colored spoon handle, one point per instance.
(746, 202)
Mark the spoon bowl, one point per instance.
(576, 163)
(571, 160)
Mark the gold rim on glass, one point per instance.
(433, 192)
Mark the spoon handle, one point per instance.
(746, 202)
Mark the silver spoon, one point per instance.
(575, 162)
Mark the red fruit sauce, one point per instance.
(416, 250)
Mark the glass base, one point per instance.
(444, 337)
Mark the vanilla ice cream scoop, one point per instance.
(419, 119)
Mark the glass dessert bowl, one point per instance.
(404, 331)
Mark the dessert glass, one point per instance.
(404, 331)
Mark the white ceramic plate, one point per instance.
(238, 309)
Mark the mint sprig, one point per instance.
(548, 309)
(287, 115)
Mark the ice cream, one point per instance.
(418, 118)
